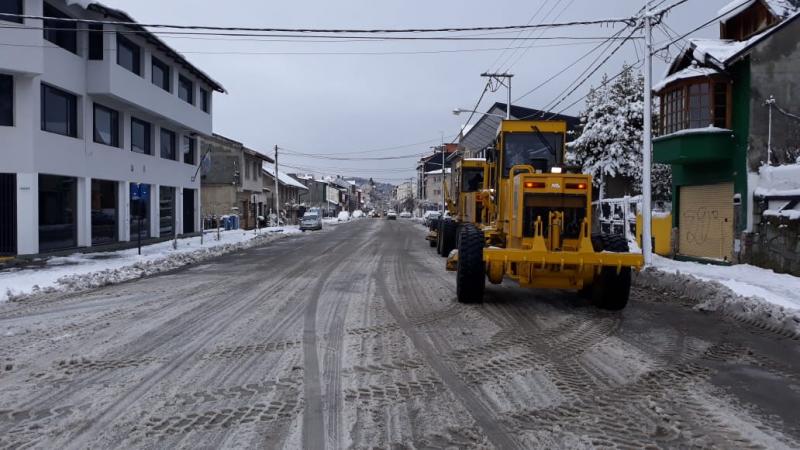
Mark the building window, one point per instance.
(128, 55)
(187, 149)
(60, 32)
(6, 100)
(186, 89)
(58, 201)
(59, 111)
(167, 144)
(104, 212)
(205, 100)
(166, 209)
(161, 75)
(96, 41)
(246, 170)
(695, 105)
(106, 126)
(11, 7)
(140, 136)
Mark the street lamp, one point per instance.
(458, 111)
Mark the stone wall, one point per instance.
(774, 244)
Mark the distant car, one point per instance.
(357, 214)
(343, 216)
(405, 215)
(391, 215)
(311, 222)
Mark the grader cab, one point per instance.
(540, 234)
(465, 203)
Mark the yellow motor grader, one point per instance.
(465, 203)
(539, 233)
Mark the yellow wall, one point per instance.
(662, 234)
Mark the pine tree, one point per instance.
(610, 145)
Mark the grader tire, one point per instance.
(470, 271)
(611, 290)
(447, 237)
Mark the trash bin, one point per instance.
(234, 220)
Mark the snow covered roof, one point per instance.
(122, 16)
(780, 8)
(282, 177)
(685, 74)
(438, 172)
(475, 159)
(778, 181)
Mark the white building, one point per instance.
(433, 185)
(404, 191)
(98, 127)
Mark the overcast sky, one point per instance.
(345, 103)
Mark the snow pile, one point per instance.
(357, 214)
(83, 271)
(751, 294)
(344, 216)
(779, 181)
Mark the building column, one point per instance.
(27, 213)
(124, 211)
(178, 211)
(155, 214)
(84, 212)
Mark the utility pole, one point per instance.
(277, 192)
(444, 205)
(507, 83)
(647, 148)
(770, 103)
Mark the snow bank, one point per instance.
(754, 295)
(83, 271)
(778, 180)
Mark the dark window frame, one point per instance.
(59, 32)
(184, 82)
(96, 42)
(189, 157)
(205, 100)
(72, 113)
(115, 141)
(167, 73)
(9, 122)
(18, 10)
(172, 140)
(148, 150)
(136, 60)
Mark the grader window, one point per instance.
(472, 180)
(540, 205)
(540, 150)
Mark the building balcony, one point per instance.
(22, 51)
(107, 79)
(694, 146)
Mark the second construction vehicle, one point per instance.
(465, 203)
(539, 232)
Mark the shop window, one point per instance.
(57, 212)
(166, 210)
(104, 212)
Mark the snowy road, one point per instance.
(352, 338)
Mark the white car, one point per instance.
(391, 215)
(343, 216)
(405, 215)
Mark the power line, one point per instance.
(569, 66)
(571, 89)
(635, 65)
(540, 36)
(377, 53)
(519, 34)
(251, 37)
(474, 110)
(320, 30)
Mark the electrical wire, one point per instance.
(318, 30)
(519, 34)
(540, 36)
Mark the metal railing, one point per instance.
(617, 215)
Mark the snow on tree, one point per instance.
(610, 145)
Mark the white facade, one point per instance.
(28, 151)
(433, 185)
(404, 191)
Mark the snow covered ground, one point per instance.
(88, 270)
(746, 292)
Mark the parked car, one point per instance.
(310, 222)
(343, 216)
(391, 215)
(429, 216)
(357, 214)
(405, 215)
